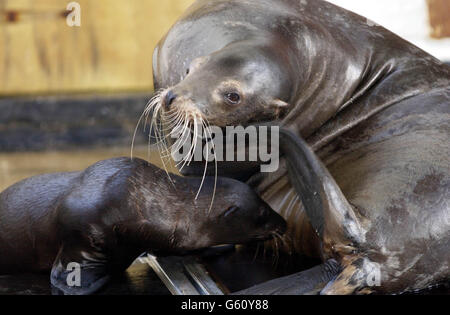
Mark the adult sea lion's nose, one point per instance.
(170, 97)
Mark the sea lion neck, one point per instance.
(179, 192)
(200, 190)
(352, 73)
(382, 88)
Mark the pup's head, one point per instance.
(238, 216)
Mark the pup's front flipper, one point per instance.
(79, 273)
(307, 282)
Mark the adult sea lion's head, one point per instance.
(245, 82)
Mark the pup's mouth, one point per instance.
(277, 233)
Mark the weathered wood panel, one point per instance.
(439, 11)
(40, 53)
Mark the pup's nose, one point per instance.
(277, 224)
(170, 97)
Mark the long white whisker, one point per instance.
(175, 128)
(195, 139)
(151, 103)
(206, 163)
(161, 146)
(188, 156)
(134, 135)
(153, 120)
(208, 131)
(183, 138)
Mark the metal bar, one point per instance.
(171, 272)
(183, 275)
(201, 278)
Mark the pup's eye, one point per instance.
(187, 71)
(233, 98)
(231, 210)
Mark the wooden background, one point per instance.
(111, 51)
(439, 18)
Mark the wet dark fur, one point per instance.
(110, 213)
(373, 107)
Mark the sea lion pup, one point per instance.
(372, 107)
(104, 217)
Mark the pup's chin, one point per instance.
(167, 253)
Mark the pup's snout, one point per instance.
(282, 228)
(170, 97)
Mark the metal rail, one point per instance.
(183, 275)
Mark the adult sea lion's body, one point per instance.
(372, 106)
(107, 215)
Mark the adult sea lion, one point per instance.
(107, 215)
(372, 107)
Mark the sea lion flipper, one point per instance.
(308, 282)
(326, 206)
(78, 275)
(360, 275)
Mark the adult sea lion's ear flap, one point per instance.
(329, 212)
(197, 63)
(279, 103)
(77, 275)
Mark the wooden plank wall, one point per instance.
(111, 51)
(439, 18)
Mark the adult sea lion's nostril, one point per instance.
(170, 97)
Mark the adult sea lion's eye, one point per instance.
(233, 98)
(187, 71)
